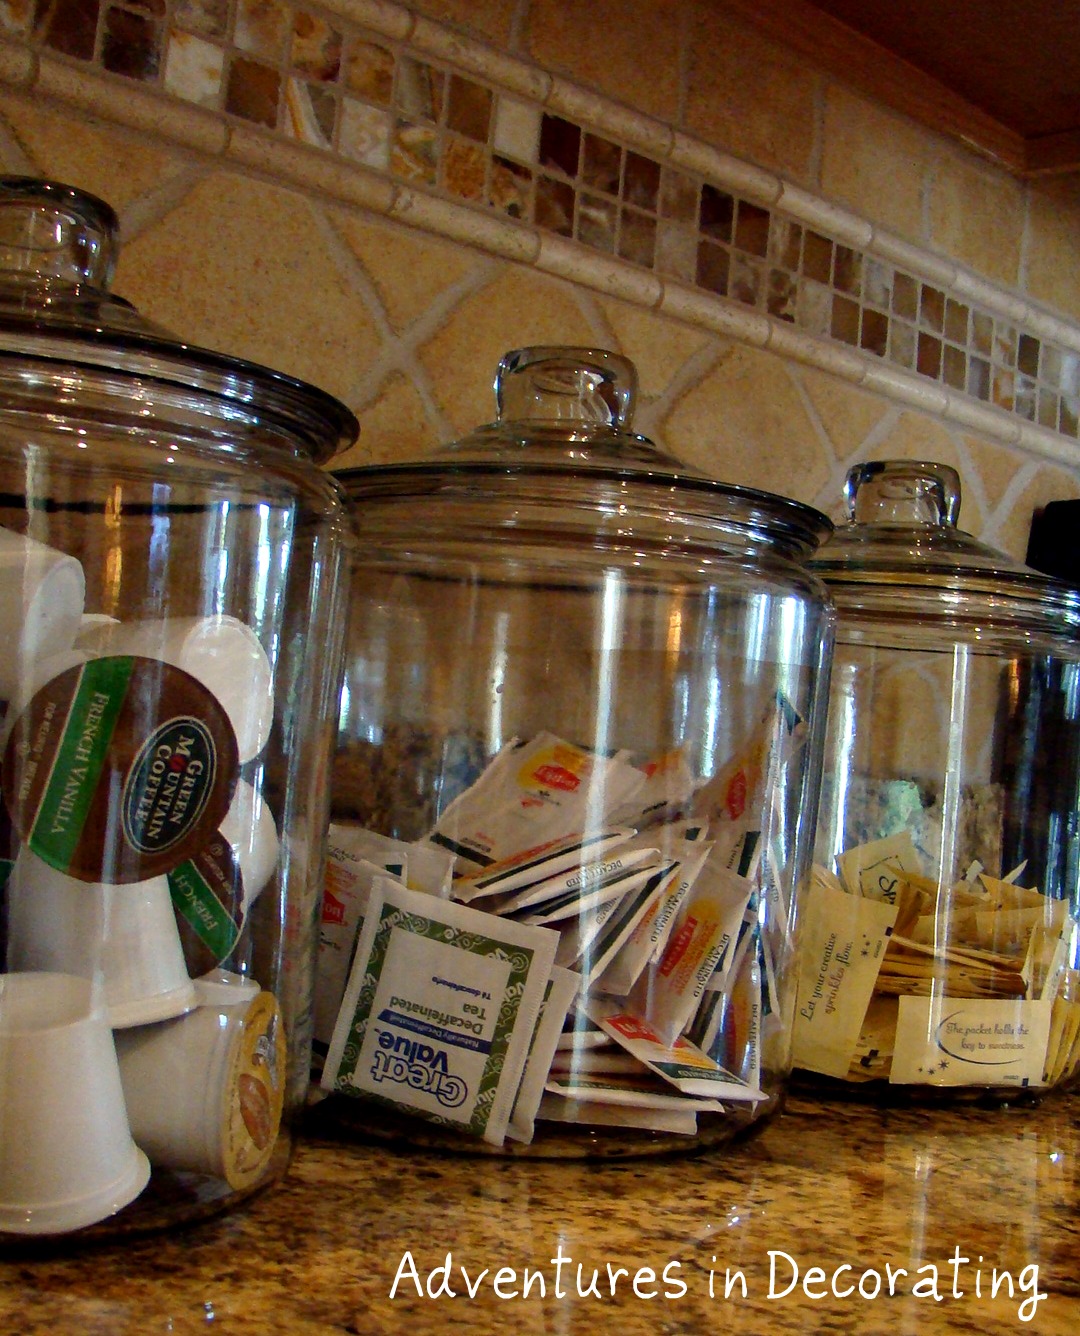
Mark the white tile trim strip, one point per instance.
(212, 134)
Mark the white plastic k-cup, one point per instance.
(67, 1156)
(249, 827)
(186, 1081)
(126, 935)
(224, 654)
(42, 592)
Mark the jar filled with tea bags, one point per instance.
(939, 946)
(573, 791)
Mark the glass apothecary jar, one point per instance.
(939, 943)
(171, 611)
(574, 786)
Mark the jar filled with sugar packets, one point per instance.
(573, 790)
(939, 947)
(171, 609)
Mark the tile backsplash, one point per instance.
(744, 280)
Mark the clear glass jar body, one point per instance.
(939, 949)
(541, 623)
(173, 631)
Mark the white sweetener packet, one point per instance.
(842, 941)
(440, 1010)
(559, 995)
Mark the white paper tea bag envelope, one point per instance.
(440, 1009)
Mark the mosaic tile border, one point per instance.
(369, 102)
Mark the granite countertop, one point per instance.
(824, 1186)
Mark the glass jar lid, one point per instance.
(561, 460)
(58, 250)
(901, 554)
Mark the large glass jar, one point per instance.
(574, 786)
(171, 605)
(939, 942)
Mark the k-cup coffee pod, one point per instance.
(125, 935)
(41, 603)
(118, 769)
(67, 1156)
(225, 988)
(224, 653)
(251, 831)
(208, 896)
(204, 1092)
(34, 677)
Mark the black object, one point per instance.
(1054, 541)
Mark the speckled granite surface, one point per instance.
(825, 1185)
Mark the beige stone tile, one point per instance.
(516, 309)
(409, 270)
(489, 19)
(745, 423)
(750, 95)
(918, 436)
(996, 466)
(116, 166)
(659, 348)
(240, 266)
(1050, 483)
(601, 45)
(393, 427)
(874, 161)
(1052, 262)
(976, 215)
(846, 413)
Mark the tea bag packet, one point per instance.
(649, 936)
(727, 1026)
(682, 1064)
(593, 932)
(580, 887)
(678, 1121)
(349, 878)
(622, 922)
(538, 865)
(536, 791)
(706, 929)
(426, 869)
(738, 789)
(559, 995)
(440, 1010)
(842, 945)
(640, 1091)
(666, 791)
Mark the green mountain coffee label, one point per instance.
(118, 769)
(208, 896)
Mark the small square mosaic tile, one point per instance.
(298, 71)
